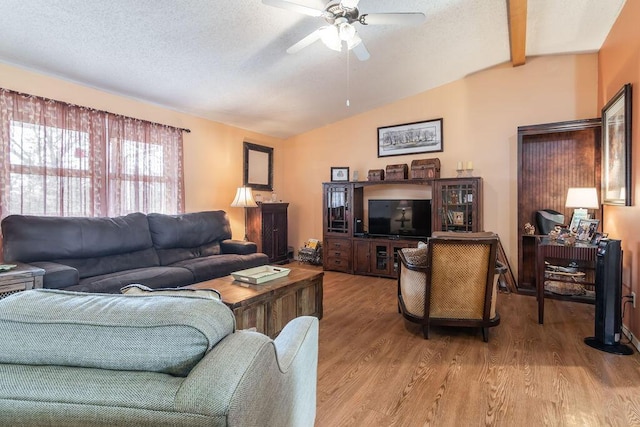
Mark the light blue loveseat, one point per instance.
(82, 359)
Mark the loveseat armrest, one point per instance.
(249, 379)
(56, 275)
(240, 247)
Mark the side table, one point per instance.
(546, 249)
(20, 278)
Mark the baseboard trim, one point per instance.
(631, 337)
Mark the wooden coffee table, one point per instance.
(269, 306)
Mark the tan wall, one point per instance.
(212, 151)
(481, 115)
(618, 64)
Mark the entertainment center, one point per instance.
(366, 241)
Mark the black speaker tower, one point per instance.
(608, 317)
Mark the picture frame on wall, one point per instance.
(410, 138)
(616, 149)
(339, 174)
(258, 166)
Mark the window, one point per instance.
(61, 159)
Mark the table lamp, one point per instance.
(244, 199)
(581, 199)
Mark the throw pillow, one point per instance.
(138, 289)
(416, 256)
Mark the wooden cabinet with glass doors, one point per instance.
(342, 203)
(457, 204)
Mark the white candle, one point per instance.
(459, 166)
(470, 165)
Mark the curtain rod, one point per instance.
(92, 109)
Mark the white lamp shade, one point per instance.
(244, 198)
(582, 197)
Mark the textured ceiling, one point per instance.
(226, 60)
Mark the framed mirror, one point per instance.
(258, 166)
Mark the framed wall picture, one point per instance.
(616, 149)
(410, 138)
(339, 174)
(258, 167)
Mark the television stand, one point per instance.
(378, 256)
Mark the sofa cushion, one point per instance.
(40, 238)
(188, 230)
(207, 268)
(153, 277)
(167, 334)
(95, 266)
(173, 255)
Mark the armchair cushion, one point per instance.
(167, 334)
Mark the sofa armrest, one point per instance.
(57, 276)
(249, 379)
(240, 247)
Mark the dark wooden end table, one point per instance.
(547, 249)
(20, 278)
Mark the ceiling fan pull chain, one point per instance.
(348, 81)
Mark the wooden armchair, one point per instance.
(452, 282)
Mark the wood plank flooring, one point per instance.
(375, 369)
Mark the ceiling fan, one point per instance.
(341, 15)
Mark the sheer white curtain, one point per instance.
(66, 160)
(145, 167)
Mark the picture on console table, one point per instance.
(410, 138)
(587, 229)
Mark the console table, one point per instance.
(584, 254)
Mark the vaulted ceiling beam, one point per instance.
(517, 10)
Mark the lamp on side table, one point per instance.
(244, 199)
(581, 199)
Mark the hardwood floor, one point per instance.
(375, 369)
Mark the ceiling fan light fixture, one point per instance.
(330, 37)
(346, 31)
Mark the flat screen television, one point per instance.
(400, 218)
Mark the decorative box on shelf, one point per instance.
(397, 172)
(375, 175)
(425, 169)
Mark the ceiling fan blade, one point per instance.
(350, 4)
(305, 42)
(392, 18)
(361, 51)
(295, 7)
